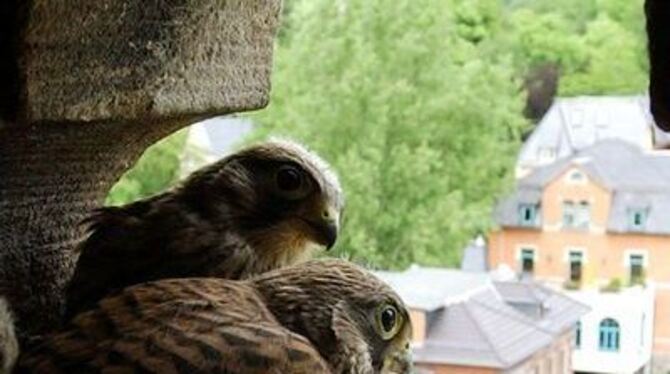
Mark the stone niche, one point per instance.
(85, 87)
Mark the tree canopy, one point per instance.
(419, 105)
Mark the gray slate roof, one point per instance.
(559, 311)
(636, 178)
(477, 323)
(575, 123)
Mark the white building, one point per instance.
(616, 336)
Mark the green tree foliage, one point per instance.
(598, 45)
(406, 104)
(154, 172)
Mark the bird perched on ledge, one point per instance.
(325, 316)
(259, 209)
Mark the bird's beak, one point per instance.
(398, 363)
(326, 227)
(326, 231)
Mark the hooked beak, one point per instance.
(326, 232)
(398, 363)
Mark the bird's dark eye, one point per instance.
(289, 178)
(388, 321)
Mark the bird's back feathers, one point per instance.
(194, 325)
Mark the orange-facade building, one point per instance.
(598, 219)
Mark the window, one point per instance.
(578, 335)
(528, 214)
(609, 335)
(636, 262)
(546, 154)
(576, 259)
(576, 176)
(527, 261)
(568, 214)
(637, 219)
(576, 215)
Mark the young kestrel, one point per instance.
(326, 316)
(259, 209)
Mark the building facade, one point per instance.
(596, 220)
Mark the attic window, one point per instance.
(546, 154)
(528, 214)
(576, 176)
(637, 218)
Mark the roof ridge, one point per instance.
(481, 331)
(517, 316)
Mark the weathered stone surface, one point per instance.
(50, 178)
(108, 59)
(85, 87)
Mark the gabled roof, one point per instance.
(637, 179)
(475, 324)
(481, 331)
(576, 123)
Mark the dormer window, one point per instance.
(546, 154)
(637, 219)
(528, 214)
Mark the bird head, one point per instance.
(356, 321)
(279, 196)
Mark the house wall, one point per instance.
(633, 310)
(553, 359)
(418, 319)
(605, 255)
(449, 369)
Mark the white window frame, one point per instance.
(582, 250)
(636, 252)
(518, 267)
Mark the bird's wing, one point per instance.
(177, 326)
(134, 244)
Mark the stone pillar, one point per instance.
(85, 87)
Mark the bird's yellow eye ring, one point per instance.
(388, 321)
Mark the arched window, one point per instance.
(609, 335)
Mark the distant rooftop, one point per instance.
(212, 139)
(429, 289)
(474, 320)
(637, 179)
(575, 123)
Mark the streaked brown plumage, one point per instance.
(325, 316)
(259, 209)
